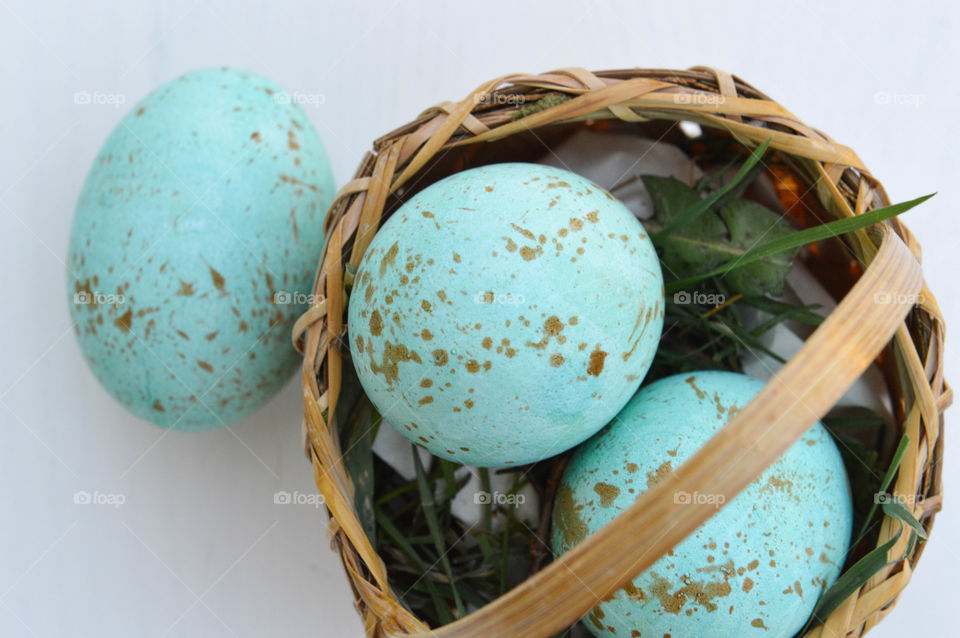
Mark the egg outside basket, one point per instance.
(513, 118)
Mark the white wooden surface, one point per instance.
(198, 547)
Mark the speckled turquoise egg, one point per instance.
(757, 567)
(505, 313)
(193, 247)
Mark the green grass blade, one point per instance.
(384, 523)
(853, 579)
(801, 238)
(449, 468)
(885, 483)
(896, 509)
(802, 314)
(433, 524)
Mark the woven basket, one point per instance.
(904, 337)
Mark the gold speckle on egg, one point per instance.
(552, 326)
(124, 321)
(376, 323)
(597, 357)
(608, 493)
(529, 254)
(389, 258)
(218, 281)
(662, 472)
(392, 356)
(523, 231)
(570, 523)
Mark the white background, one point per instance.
(198, 548)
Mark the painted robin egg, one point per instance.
(193, 247)
(757, 567)
(505, 314)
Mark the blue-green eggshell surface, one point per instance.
(193, 247)
(757, 567)
(505, 313)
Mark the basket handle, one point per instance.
(830, 361)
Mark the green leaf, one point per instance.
(487, 503)
(911, 545)
(449, 468)
(863, 419)
(885, 483)
(694, 248)
(803, 237)
(440, 606)
(781, 311)
(750, 223)
(433, 524)
(670, 198)
(716, 238)
(853, 579)
(692, 212)
(894, 508)
(350, 393)
(859, 433)
(356, 441)
(505, 543)
(548, 101)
